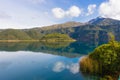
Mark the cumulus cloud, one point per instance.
(58, 12)
(91, 9)
(110, 9)
(73, 11)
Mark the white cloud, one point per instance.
(110, 9)
(73, 11)
(58, 12)
(15, 15)
(91, 9)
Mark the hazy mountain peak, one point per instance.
(96, 20)
(103, 21)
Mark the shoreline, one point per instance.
(37, 41)
(19, 40)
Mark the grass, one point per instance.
(88, 65)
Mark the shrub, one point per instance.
(88, 65)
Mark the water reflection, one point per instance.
(25, 65)
(64, 48)
(43, 61)
(4, 65)
(60, 66)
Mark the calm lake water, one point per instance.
(42, 61)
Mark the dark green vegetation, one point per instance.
(56, 37)
(95, 30)
(103, 61)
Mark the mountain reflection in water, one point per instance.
(59, 48)
(43, 61)
(25, 65)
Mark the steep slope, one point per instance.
(97, 30)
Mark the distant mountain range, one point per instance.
(95, 30)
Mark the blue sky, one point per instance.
(21, 14)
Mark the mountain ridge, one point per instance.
(103, 21)
(96, 30)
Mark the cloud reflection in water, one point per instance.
(61, 66)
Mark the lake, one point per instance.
(43, 61)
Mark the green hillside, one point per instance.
(34, 34)
(56, 37)
(95, 30)
(14, 34)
